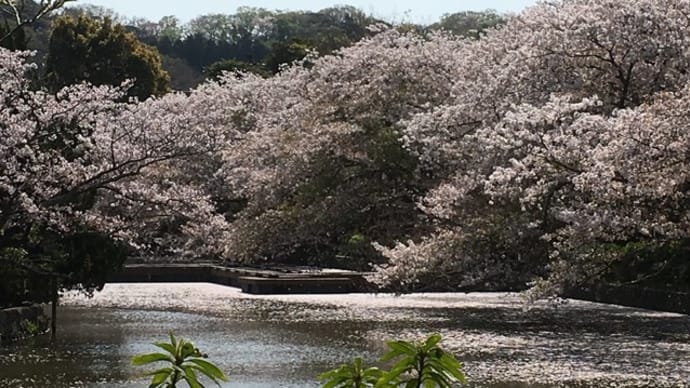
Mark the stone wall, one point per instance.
(20, 322)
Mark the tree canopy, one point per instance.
(85, 177)
(469, 23)
(103, 53)
(17, 14)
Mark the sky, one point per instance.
(417, 11)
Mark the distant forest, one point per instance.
(252, 39)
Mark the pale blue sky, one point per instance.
(419, 11)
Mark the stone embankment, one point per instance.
(20, 322)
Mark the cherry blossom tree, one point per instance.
(504, 149)
(558, 148)
(321, 166)
(81, 164)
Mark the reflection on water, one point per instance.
(286, 341)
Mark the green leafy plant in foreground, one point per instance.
(416, 365)
(352, 375)
(426, 364)
(183, 361)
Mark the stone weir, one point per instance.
(250, 280)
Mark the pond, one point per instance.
(286, 341)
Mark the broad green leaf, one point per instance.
(411, 384)
(191, 379)
(166, 370)
(159, 378)
(402, 347)
(330, 374)
(173, 340)
(357, 366)
(438, 378)
(208, 369)
(372, 371)
(166, 346)
(188, 350)
(404, 365)
(452, 366)
(392, 375)
(432, 341)
(149, 358)
(332, 384)
(429, 384)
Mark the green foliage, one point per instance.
(18, 284)
(254, 36)
(370, 195)
(182, 75)
(215, 70)
(285, 53)
(357, 238)
(15, 39)
(416, 365)
(29, 327)
(183, 361)
(352, 375)
(326, 30)
(426, 364)
(90, 258)
(469, 23)
(103, 53)
(32, 256)
(653, 264)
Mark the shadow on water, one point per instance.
(288, 341)
(76, 357)
(619, 321)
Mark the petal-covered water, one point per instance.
(287, 340)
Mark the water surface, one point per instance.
(286, 341)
